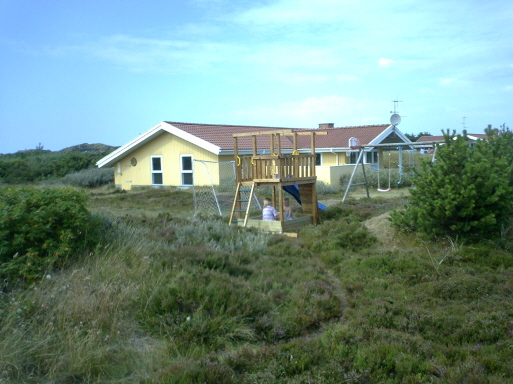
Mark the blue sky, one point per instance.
(76, 72)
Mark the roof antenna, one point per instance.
(395, 119)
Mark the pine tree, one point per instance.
(466, 192)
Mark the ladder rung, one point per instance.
(357, 184)
(242, 201)
(240, 210)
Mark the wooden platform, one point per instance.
(299, 221)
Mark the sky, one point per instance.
(105, 71)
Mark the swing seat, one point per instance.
(384, 190)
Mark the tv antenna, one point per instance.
(395, 119)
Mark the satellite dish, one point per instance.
(395, 119)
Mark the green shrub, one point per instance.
(41, 228)
(326, 189)
(39, 165)
(467, 192)
(341, 235)
(91, 177)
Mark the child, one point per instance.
(287, 209)
(269, 213)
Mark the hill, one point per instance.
(91, 148)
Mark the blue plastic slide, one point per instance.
(294, 191)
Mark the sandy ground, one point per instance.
(380, 227)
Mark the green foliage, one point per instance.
(171, 299)
(30, 166)
(40, 229)
(91, 177)
(467, 192)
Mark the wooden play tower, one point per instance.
(294, 171)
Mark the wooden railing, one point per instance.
(273, 167)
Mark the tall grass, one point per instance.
(90, 177)
(159, 293)
(167, 299)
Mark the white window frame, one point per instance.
(184, 172)
(157, 171)
(373, 156)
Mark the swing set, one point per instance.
(399, 147)
(389, 174)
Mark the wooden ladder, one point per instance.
(241, 205)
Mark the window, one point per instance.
(353, 156)
(371, 157)
(156, 170)
(318, 159)
(187, 178)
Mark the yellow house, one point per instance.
(166, 154)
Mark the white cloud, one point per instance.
(344, 78)
(296, 11)
(308, 113)
(159, 55)
(447, 81)
(385, 62)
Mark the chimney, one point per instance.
(326, 125)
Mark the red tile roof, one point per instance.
(222, 135)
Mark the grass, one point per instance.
(167, 298)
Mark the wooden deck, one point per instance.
(275, 168)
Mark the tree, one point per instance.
(413, 137)
(466, 192)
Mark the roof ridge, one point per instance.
(230, 125)
(274, 127)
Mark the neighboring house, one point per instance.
(164, 155)
(432, 140)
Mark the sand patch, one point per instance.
(380, 227)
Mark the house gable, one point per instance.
(148, 136)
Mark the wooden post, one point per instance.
(313, 153)
(236, 155)
(254, 140)
(280, 206)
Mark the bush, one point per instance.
(91, 177)
(41, 228)
(37, 165)
(467, 192)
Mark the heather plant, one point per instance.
(467, 192)
(37, 165)
(326, 189)
(40, 229)
(90, 177)
(166, 299)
